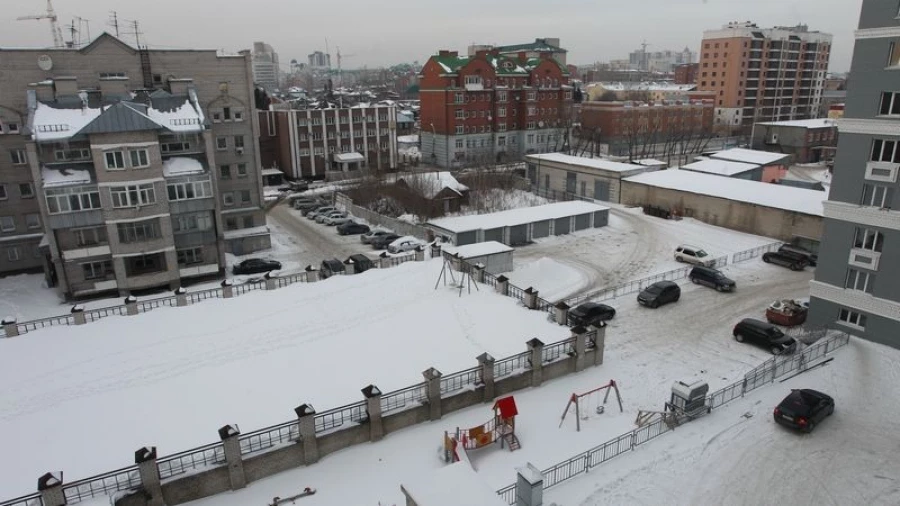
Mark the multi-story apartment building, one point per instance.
(329, 143)
(266, 71)
(319, 60)
(629, 125)
(763, 74)
(660, 61)
(856, 284)
(489, 108)
(686, 73)
(125, 169)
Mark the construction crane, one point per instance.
(54, 25)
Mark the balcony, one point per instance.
(862, 215)
(885, 172)
(198, 270)
(855, 299)
(867, 259)
(92, 251)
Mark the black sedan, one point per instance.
(803, 409)
(255, 266)
(659, 293)
(382, 241)
(591, 313)
(352, 228)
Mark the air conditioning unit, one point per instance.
(240, 151)
(772, 139)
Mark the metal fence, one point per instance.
(333, 418)
(264, 439)
(93, 315)
(114, 481)
(46, 322)
(553, 352)
(509, 365)
(25, 500)
(742, 256)
(515, 292)
(212, 293)
(345, 203)
(461, 380)
(412, 396)
(197, 458)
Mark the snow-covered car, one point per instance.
(405, 243)
(320, 218)
(320, 210)
(335, 219)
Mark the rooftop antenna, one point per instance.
(73, 32)
(135, 31)
(84, 25)
(54, 24)
(114, 22)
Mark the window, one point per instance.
(304, 152)
(63, 155)
(76, 198)
(115, 160)
(97, 270)
(532, 110)
(12, 254)
(139, 158)
(473, 79)
(189, 190)
(502, 128)
(893, 55)
(221, 142)
(242, 170)
(18, 156)
(245, 196)
(859, 280)
(248, 221)
(32, 221)
(191, 222)
(852, 318)
(90, 236)
(144, 264)
(226, 113)
(26, 190)
(885, 151)
(890, 103)
(501, 96)
(460, 130)
(133, 195)
(227, 199)
(238, 115)
(7, 224)
(317, 136)
(3, 195)
(190, 256)
(531, 95)
(239, 142)
(316, 120)
(11, 128)
(230, 223)
(318, 150)
(138, 231)
(459, 143)
(225, 171)
(530, 125)
(875, 195)
(869, 239)
(217, 116)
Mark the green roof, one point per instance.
(539, 46)
(503, 65)
(531, 63)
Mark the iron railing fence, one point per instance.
(743, 256)
(553, 352)
(461, 380)
(268, 437)
(25, 500)
(337, 417)
(415, 395)
(197, 458)
(509, 365)
(127, 478)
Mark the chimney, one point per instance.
(481, 54)
(113, 86)
(180, 86)
(65, 86)
(522, 56)
(444, 52)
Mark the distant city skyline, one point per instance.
(411, 32)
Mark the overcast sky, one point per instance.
(378, 33)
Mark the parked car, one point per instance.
(307, 202)
(811, 258)
(255, 266)
(372, 234)
(803, 409)
(693, 255)
(382, 241)
(787, 259)
(591, 313)
(712, 278)
(352, 228)
(361, 263)
(331, 267)
(320, 218)
(405, 243)
(320, 210)
(763, 334)
(335, 218)
(659, 293)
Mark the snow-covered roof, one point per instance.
(749, 156)
(181, 119)
(478, 249)
(453, 485)
(650, 162)
(590, 163)
(802, 123)
(51, 123)
(741, 190)
(271, 172)
(348, 157)
(515, 217)
(644, 86)
(64, 176)
(181, 165)
(720, 167)
(408, 139)
(246, 232)
(431, 183)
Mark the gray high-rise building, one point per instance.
(319, 60)
(265, 66)
(856, 285)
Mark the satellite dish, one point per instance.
(540, 124)
(44, 62)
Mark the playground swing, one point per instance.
(588, 399)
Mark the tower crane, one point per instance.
(54, 24)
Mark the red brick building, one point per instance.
(686, 73)
(490, 108)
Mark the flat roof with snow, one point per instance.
(181, 166)
(515, 217)
(590, 163)
(798, 200)
(720, 167)
(803, 123)
(455, 485)
(749, 156)
(478, 249)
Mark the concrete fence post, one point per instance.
(420, 254)
(10, 326)
(502, 285)
(529, 486)
(270, 281)
(580, 334)
(78, 314)
(561, 312)
(349, 266)
(306, 419)
(384, 261)
(50, 487)
(536, 347)
(530, 299)
(487, 375)
(312, 274)
(479, 272)
(227, 289)
(145, 458)
(229, 434)
(373, 409)
(435, 250)
(433, 387)
(131, 308)
(181, 297)
(599, 343)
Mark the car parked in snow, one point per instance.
(764, 334)
(320, 218)
(712, 278)
(351, 228)
(693, 255)
(382, 241)
(335, 218)
(811, 258)
(590, 313)
(405, 243)
(320, 210)
(255, 266)
(372, 234)
(787, 259)
(659, 293)
(803, 409)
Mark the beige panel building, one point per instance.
(125, 169)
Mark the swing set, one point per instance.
(594, 394)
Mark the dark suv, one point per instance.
(659, 293)
(712, 278)
(590, 313)
(803, 409)
(811, 258)
(788, 259)
(763, 334)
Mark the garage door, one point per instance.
(494, 234)
(561, 226)
(540, 229)
(464, 238)
(582, 221)
(601, 218)
(518, 235)
(601, 190)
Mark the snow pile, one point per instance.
(180, 166)
(183, 119)
(497, 199)
(432, 183)
(51, 123)
(749, 156)
(64, 176)
(554, 280)
(719, 167)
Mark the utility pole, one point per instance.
(135, 31)
(114, 22)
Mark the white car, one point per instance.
(335, 219)
(320, 218)
(405, 243)
(693, 255)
